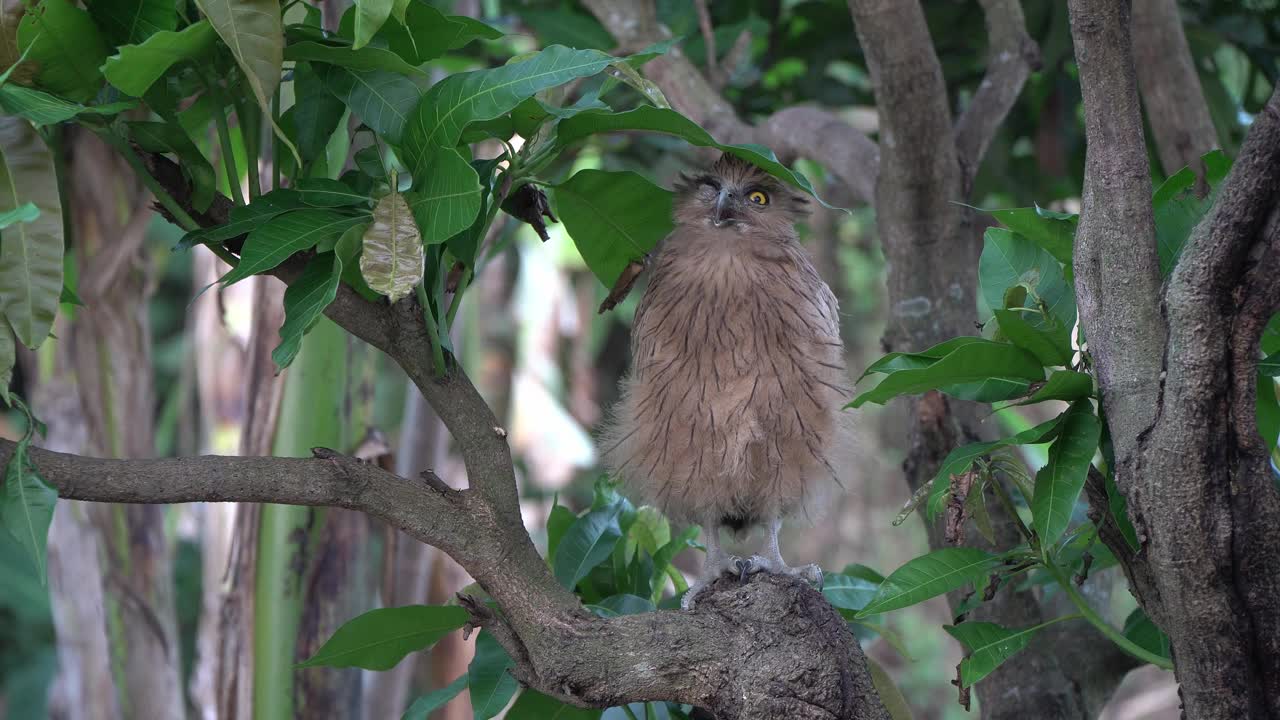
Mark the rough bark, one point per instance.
(1170, 87)
(1173, 367)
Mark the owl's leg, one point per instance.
(716, 563)
(772, 560)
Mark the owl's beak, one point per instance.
(724, 214)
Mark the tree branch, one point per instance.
(1012, 57)
(1170, 86)
(1116, 266)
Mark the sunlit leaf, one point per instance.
(134, 68)
(64, 43)
(930, 575)
(41, 108)
(31, 252)
(1059, 482)
(370, 14)
(392, 261)
(379, 639)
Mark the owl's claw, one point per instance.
(811, 574)
(730, 565)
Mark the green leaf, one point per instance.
(1268, 411)
(1066, 385)
(382, 100)
(27, 502)
(304, 302)
(665, 555)
(422, 708)
(613, 218)
(989, 645)
(24, 213)
(463, 98)
(491, 685)
(425, 33)
(1268, 366)
(930, 575)
(915, 361)
(624, 604)
(969, 363)
(961, 459)
(370, 15)
(1009, 259)
(650, 532)
(1059, 482)
(670, 122)
(316, 112)
(392, 260)
(320, 193)
(558, 523)
(446, 197)
(165, 137)
(587, 543)
(1141, 631)
(379, 639)
(1050, 347)
(64, 43)
(569, 28)
(31, 252)
(1052, 231)
(134, 68)
(849, 592)
(41, 108)
(465, 245)
(533, 705)
(365, 58)
(133, 21)
(282, 236)
(1177, 210)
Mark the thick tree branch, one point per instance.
(1012, 57)
(1170, 86)
(1116, 266)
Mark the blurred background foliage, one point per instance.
(532, 339)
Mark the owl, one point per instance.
(731, 414)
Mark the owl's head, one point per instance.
(735, 196)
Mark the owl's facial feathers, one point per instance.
(735, 195)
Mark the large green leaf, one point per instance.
(316, 112)
(64, 43)
(1066, 385)
(1009, 260)
(1059, 482)
(134, 68)
(587, 543)
(1141, 631)
(164, 137)
(558, 523)
(392, 260)
(383, 100)
(304, 302)
(533, 705)
(31, 252)
(915, 361)
(379, 639)
(670, 122)
(613, 218)
(370, 15)
(989, 645)
(308, 193)
(366, 58)
(446, 198)
(849, 592)
(26, 505)
(422, 708)
(133, 21)
(961, 459)
(970, 362)
(283, 235)
(41, 108)
(1051, 346)
(491, 685)
(426, 34)
(928, 576)
(1178, 210)
(1053, 231)
(463, 98)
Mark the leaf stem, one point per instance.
(432, 330)
(1007, 502)
(224, 137)
(250, 130)
(1088, 613)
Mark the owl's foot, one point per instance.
(711, 571)
(811, 574)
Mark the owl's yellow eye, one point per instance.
(758, 197)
